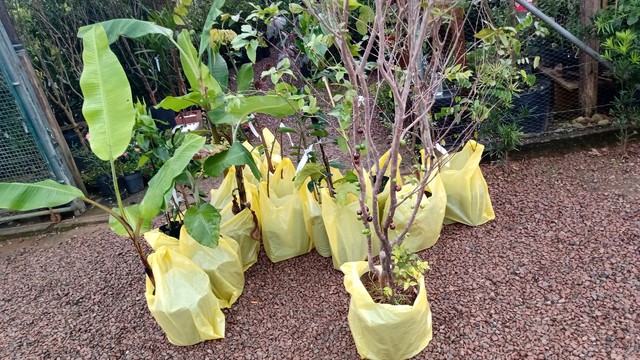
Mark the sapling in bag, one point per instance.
(385, 331)
(221, 263)
(344, 230)
(182, 301)
(282, 219)
(426, 227)
(314, 224)
(243, 226)
(468, 199)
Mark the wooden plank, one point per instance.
(558, 79)
(588, 65)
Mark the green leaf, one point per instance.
(181, 102)
(252, 47)
(133, 215)
(315, 170)
(245, 77)
(43, 194)
(342, 144)
(286, 129)
(194, 69)
(273, 105)
(130, 28)
(162, 182)
(108, 105)
(235, 155)
(203, 224)
(218, 68)
(213, 14)
(295, 8)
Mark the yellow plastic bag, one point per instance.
(425, 230)
(344, 230)
(183, 304)
(384, 331)
(313, 221)
(468, 199)
(221, 263)
(156, 239)
(242, 228)
(282, 220)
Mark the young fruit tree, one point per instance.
(411, 49)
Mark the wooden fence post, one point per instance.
(588, 65)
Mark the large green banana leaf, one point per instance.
(108, 105)
(43, 194)
(130, 28)
(162, 182)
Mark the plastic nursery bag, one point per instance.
(468, 199)
(241, 226)
(344, 230)
(425, 230)
(221, 263)
(156, 239)
(183, 304)
(384, 331)
(282, 220)
(313, 221)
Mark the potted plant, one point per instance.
(128, 164)
(382, 325)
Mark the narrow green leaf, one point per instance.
(236, 155)
(203, 224)
(313, 170)
(193, 68)
(130, 28)
(214, 12)
(43, 194)
(245, 77)
(133, 215)
(162, 182)
(108, 105)
(286, 129)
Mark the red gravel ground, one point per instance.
(555, 276)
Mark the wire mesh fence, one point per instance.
(556, 103)
(20, 158)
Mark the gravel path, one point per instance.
(555, 276)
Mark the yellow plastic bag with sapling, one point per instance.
(221, 263)
(309, 180)
(468, 199)
(243, 226)
(182, 301)
(426, 227)
(284, 233)
(385, 331)
(344, 225)
(156, 239)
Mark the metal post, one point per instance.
(562, 31)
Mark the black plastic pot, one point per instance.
(172, 229)
(106, 186)
(134, 182)
(535, 103)
(73, 141)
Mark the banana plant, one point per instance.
(110, 115)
